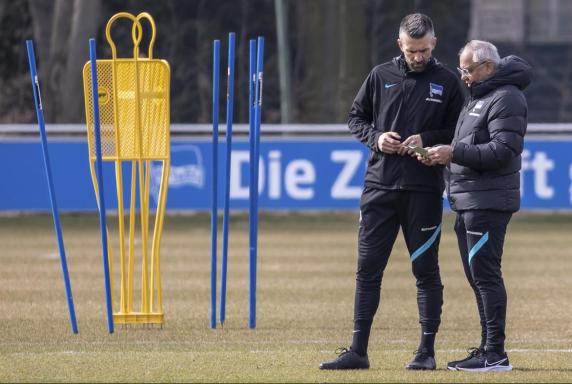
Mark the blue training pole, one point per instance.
(257, 123)
(214, 195)
(51, 188)
(99, 172)
(253, 189)
(226, 217)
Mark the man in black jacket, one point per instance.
(484, 162)
(412, 100)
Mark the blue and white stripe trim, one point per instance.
(427, 244)
(478, 246)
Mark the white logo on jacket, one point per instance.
(476, 109)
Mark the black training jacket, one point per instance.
(392, 98)
(489, 138)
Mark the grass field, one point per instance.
(305, 305)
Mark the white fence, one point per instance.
(267, 129)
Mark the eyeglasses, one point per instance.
(471, 68)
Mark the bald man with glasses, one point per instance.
(468, 71)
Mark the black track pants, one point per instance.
(480, 234)
(419, 215)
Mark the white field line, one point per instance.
(192, 346)
(516, 350)
(266, 351)
(263, 342)
(520, 350)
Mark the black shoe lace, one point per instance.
(342, 351)
(421, 352)
(474, 352)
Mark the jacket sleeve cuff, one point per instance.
(426, 139)
(374, 145)
(458, 153)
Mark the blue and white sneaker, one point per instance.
(486, 362)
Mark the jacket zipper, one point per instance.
(404, 105)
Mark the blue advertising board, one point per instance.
(295, 174)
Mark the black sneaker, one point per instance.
(347, 359)
(422, 361)
(486, 362)
(473, 352)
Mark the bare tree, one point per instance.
(84, 24)
(2, 8)
(56, 68)
(331, 58)
(310, 64)
(353, 56)
(41, 12)
(202, 62)
(61, 30)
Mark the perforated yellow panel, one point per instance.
(133, 95)
(134, 116)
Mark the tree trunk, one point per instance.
(41, 12)
(353, 56)
(326, 70)
(2, 8)
(332, 59)
(243, 61)
(309, 64)
(84, 25)
(58, 43)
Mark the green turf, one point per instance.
(305, 305)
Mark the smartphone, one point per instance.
(418, 150)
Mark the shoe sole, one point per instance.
(419, 369)
(452, 368)
(495, 368)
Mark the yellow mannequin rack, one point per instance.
(134, 114)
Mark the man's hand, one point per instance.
(411, 140)
(439, 154)
(389, 142)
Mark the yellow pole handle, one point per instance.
(145, 15)
(136, 32)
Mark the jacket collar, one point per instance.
(401, 64)
(511, 70)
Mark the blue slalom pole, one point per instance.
(226, 217)
(99, 172)
(253, 188)
(51, 188)
(257, 123)
(214, 195)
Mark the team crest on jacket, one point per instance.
(435, 90)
